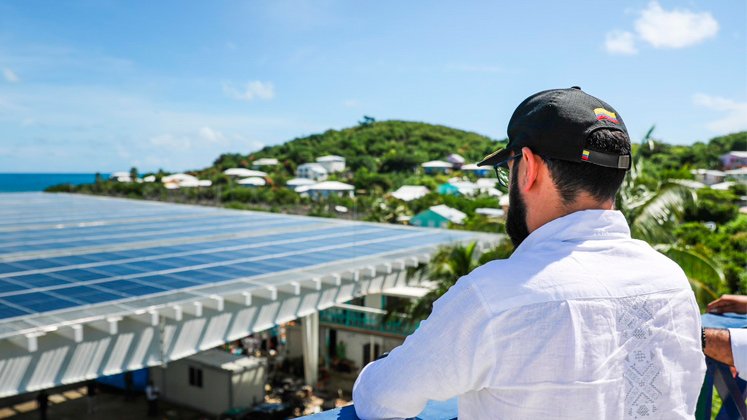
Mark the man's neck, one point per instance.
(558, 209)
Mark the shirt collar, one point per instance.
(580, 225)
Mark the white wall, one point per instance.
(212, 398)
(249, 386)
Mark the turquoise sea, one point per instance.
(38, 182)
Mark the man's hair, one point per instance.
(602, 183)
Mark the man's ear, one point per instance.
(530, 168)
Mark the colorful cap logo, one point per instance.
(585, 155)
(603, 114)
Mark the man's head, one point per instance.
(567, 151)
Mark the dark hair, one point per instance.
(602, 183)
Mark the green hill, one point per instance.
(380, 147)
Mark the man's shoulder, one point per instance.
(578, 272)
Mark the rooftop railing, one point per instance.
(366, 319)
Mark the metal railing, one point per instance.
(367, 319)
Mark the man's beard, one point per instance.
(516, 220)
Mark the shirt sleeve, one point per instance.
(739, 350)
(449, 354)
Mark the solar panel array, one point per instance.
(61, 252)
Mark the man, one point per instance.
(91, 395)
(151, 395)
(42, 401)
(581, 321)
(728, 346)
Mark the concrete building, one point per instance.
(734, 159)
(480, 171)
(121, 176)
(456, 160)
(244, 173)
(182, 180)
(254, 181)
(300, 185)
(708, 176)
(213, 381)
(330, 188)
(332, 163)
(490, 212)
(739, 175)
(314, 171)
(436, 167)
(438, 216)
(259, 163)
(410, 192)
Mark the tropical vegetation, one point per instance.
(700, 228)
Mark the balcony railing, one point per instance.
(367, 319)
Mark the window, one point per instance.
(195, 377)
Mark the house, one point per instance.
(708, 176)
(264, 162)
(503, 202)
(330, 188)
(332, 163)
(723, 186)
(455, 186)
(480, 171)
(738, 174)
(149, 178)
(436, 167)
(297, 183)
(487, 186)
(182, 180)
(410, 192)
(121, 177)
(734, 159)
(213, 381)
(490, 212)
(438, 216)
(456, 160)
(448, 189)
(254, 181)
(314, 171)
(244, 173)
(465, 188)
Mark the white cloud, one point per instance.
(212, 136)
(676, 28)
(620, 42)
(253, 90)
(10, 76)
(350, 103)
(734, 114)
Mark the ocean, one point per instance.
(38, 182)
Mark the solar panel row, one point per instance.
(59, 252)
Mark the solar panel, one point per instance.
(65, 252)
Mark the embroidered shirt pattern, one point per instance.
(642, 372)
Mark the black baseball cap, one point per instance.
(556, 123)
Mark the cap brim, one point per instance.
(495, 157)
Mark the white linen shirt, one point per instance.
(582, 322)
(739, 350)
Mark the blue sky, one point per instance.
(104, 85)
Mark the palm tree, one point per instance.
(445, 268)
(654, 211)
